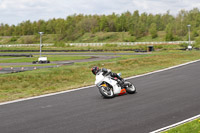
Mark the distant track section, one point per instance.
(14, 69)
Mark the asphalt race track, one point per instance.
(163, 99)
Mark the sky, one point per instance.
(17, 11)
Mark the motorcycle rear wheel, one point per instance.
(106, 92)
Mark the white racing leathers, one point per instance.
(109, 87)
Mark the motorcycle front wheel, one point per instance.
(130, 88)
(106, 92)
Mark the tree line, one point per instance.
(138, 25)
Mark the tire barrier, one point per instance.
(16, 55)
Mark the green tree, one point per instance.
(138, 25)
(197, 42)
(169, 35)
(103, 23)
(134, 27)
(153, 30)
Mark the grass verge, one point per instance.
(43, 81)
(190, 127)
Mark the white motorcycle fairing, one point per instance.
(100, 78)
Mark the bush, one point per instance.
(13, 39)
(184, 45)
(197, 43)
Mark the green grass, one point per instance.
(6, 57)
(190, 127)
(43, 81)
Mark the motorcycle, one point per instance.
(109, 86)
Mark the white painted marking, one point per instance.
(46, 95)
(165, 69)
(51, 94)
(176, 124)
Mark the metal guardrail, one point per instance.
(24, 45)
(128, 43)
(98, 44)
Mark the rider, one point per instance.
(96, 70)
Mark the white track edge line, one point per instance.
(163, 69)
(45, 95)
(56, 93)
(176, 124)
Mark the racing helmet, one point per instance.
(95, 70)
